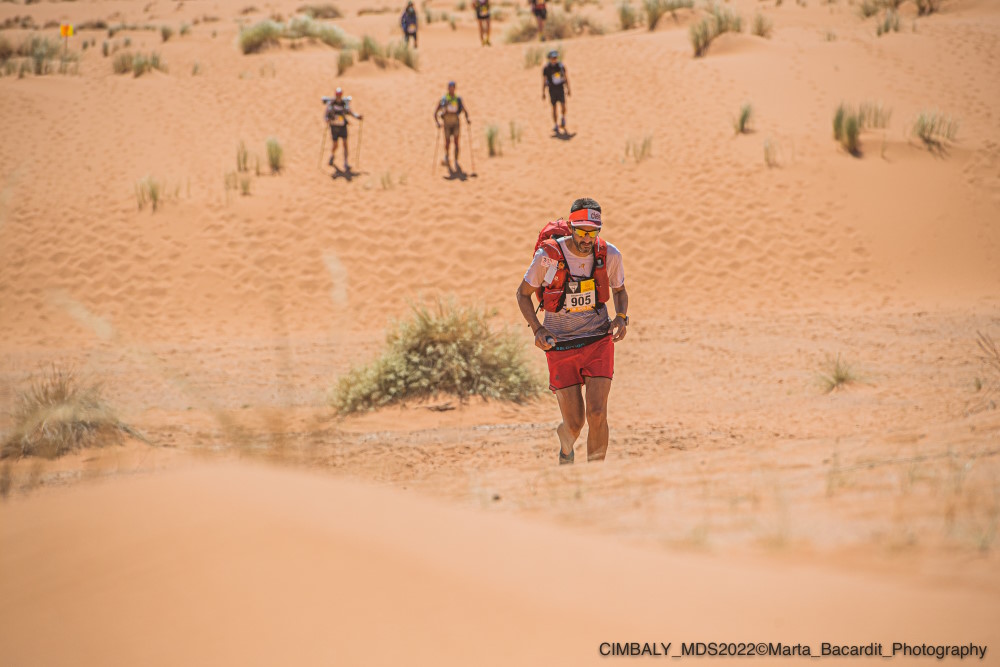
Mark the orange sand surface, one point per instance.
(739, 502)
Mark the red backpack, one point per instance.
(551, 297)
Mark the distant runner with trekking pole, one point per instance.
(447, 113)
(337, 109)
(574, 273)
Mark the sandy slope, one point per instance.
(257, 566)
(220, 322)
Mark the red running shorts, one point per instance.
(568, 367)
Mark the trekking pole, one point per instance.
(434, 162)
(322, 147)
(361, 129)
(472, 146)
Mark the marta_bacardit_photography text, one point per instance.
(970, 650)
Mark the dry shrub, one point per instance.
(558, 26)
(320, 11)
(989, 384)
(449, 349)
(837, 374)
(60, 413)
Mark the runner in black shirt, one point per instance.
(482, 8)
(554, 78)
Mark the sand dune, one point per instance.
(257, 566)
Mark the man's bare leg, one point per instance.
(573, 417)
(597, 417)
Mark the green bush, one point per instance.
(450, 350)
(60, 413)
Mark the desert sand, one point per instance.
(740, 502)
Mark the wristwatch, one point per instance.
(624, 318)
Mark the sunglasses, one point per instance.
(586, 233)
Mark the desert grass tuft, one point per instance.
(493, 142)
(639, 150)
(445, 349)
(720, 20)
(874, 115)
(847, 129)
(700, 34)
(926, 7)
(657, 9)
(242, 157)
(148, 191)
(185, 29)
(742, 122)
(60, 413)
(275, 156)
(166, 32)
(988, 386)
(934, 128)
(628, 17)
(345, 60)
(836, 374)
(320, 11)
(868, 8)
(770, 153)
(245, 185)
(370, 50)
(761, 26)
(401, 52)
(515, 133)
(533, 56)
(559, 25)
(889, 23)
(269, 33)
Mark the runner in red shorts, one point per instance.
(578, 275)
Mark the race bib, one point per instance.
(557, 79)
(580, 296)
(339, 121)
(453, 108)
(411, 29)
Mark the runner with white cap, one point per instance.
(337, 109)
